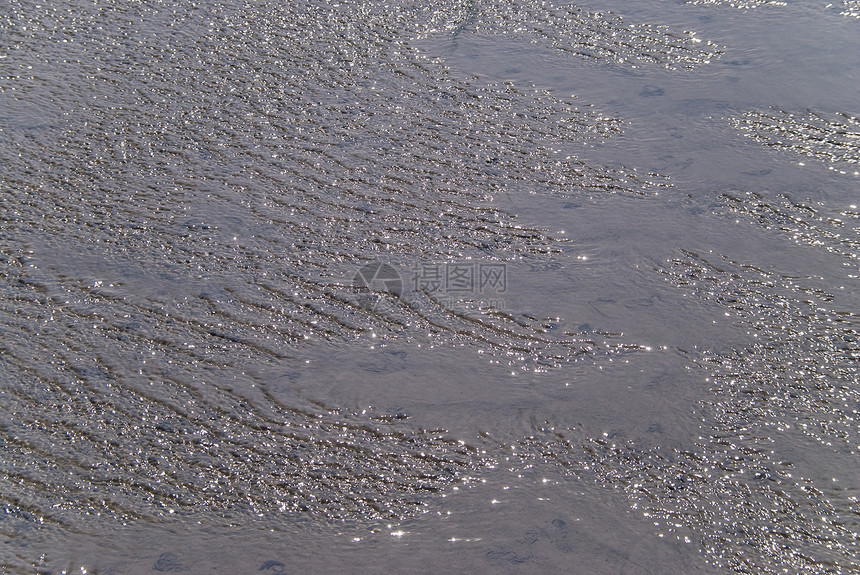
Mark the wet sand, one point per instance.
(288, 287)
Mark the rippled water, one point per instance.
(506, 286)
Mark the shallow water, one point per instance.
(519, 287)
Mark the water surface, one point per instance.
(204, 370)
